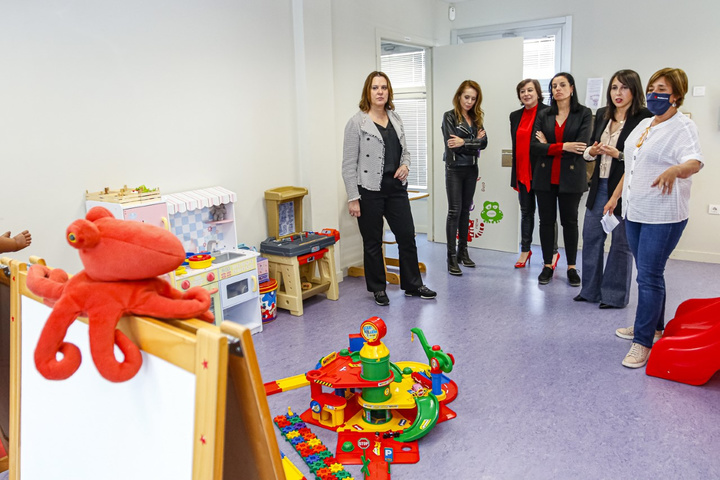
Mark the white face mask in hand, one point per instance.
(609, 222)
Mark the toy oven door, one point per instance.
(238, 289)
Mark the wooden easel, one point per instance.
(232, 433)
(4, 359)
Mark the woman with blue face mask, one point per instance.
(661, 155)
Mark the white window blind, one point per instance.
(539, 61)
(539, 57)
(406, 70)
(413, 112)
(405, 65)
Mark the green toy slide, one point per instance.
(428, 412)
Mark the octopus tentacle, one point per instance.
(103, 337)
(52, 342)
(47, 283)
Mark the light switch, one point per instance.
(699, 91)
(506, 158)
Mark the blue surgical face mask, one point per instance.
(658, 103)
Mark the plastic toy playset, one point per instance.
(378, 408)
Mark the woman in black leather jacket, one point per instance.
(464, 138)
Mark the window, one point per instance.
(405, 65)
(539, 60)
(413, 112)
(546, 45)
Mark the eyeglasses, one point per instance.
(643, 137)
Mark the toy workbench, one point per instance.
(303, 263)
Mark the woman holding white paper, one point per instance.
(610, 286)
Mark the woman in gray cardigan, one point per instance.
(376, 163)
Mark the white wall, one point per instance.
(177, 95)
(255, 94)
(180, 95)
(615, 34)
(315, 104)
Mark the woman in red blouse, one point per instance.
(530, 95)
(560, 176)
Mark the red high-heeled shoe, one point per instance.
(555, 262)
(519, 264)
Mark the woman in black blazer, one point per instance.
(625, 108)
(522, 121)
(559, 177)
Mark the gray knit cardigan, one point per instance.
(364, 153)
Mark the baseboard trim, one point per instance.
(702, 257)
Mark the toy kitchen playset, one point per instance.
(204, 221)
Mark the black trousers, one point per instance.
(527, 219)
(460, 183)
(548, 205)
(392, 203)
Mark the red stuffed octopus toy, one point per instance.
(122, 261)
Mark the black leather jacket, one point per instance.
(466, 155)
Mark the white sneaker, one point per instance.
(628, 333)
(637, 356)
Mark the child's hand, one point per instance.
(23, 239)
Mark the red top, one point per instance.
(522, 147)
(556, 151)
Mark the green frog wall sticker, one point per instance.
(491, 212)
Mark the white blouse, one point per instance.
(669, 143)
(611, 140)
(606, 138)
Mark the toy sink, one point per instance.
(226, 257)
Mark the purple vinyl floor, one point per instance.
(542, 392)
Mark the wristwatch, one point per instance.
(621, 157)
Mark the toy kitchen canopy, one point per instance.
(198, 199)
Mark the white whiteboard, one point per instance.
(87, 428)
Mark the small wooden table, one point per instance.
(389, 239)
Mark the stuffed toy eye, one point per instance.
(72, 238)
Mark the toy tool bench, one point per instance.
(302, 263)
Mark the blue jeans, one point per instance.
(651, 245)
(610, 285)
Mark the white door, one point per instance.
(497, 66)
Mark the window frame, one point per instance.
(417, 96)
(409, 93)
(561, 27)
